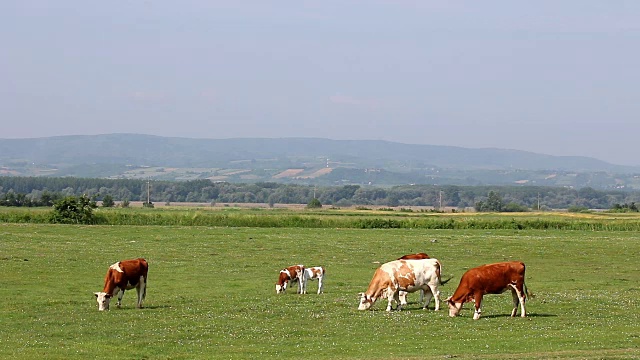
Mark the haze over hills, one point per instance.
(304, 160)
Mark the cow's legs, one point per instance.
(394, 296)
(119, 293)
(478, 305)
(390, 301)
(427, 298)
(514, 295)
(422, 295)
(320, 285)
(141, 289)
(301, 283)
(518, 297)
(402, 297)
(432, 292)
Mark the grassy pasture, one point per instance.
(211, 294)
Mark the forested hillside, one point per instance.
(303, 161)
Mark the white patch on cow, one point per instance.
(116, 267)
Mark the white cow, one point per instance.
(314, 273)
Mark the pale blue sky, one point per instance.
(553, 77)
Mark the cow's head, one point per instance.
(454, 307)
(280, 288)
(283, 279)
(103, 300)
(365, 301)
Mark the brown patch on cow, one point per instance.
(283, 278)
(405, 275)
(316, 272)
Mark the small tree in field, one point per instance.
(73, 210)
(147, 204)
(314, 204)
(107, 201)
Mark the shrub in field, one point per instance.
(314, 204)
(514, 207)
(624, 208)
(107, 201)
(73, 210)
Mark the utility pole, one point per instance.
(440, 207)
(148, 190)
(538, 201)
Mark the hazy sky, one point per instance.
(553, 77)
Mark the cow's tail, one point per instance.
(439, 273)
(524, 283)
(146, 283)
(526, 290)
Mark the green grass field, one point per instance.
(211, 294)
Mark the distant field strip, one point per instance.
(339, 218)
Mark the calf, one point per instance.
(292, 273)
(490, 279)
(416, 256)
(121, 276)
(403, 275)
(314, 273)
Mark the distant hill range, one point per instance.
(301, 160)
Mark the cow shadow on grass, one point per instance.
(146, 307)
(529, 315)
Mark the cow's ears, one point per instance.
(96, 294)
(108, 296)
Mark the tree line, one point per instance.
(45, 191)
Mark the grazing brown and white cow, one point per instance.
(293, 273)
(403, 275)
(490, 279)
(121, 276)
(416, 256)
(314, 273)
